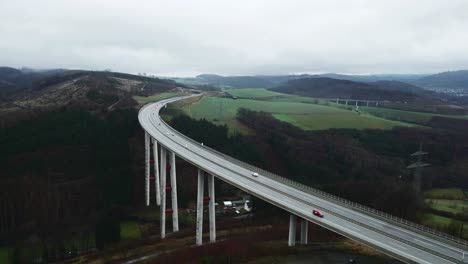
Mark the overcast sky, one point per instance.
(185, 37)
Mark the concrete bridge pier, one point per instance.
(157, 186)
(163, 191)
(292, 230)
(367, 103)
(211, 207)
(346, 102)
(337, 100)
(147, 168)
(175, 211)
(304, 232)
(200, 188)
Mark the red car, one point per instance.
(317, 213)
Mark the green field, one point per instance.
(445, 193)
(441, 223)
(445, 200)
(129, 230)
(153, 98)
(434, 220)
(304, 115)
(385, 113)
(405, 116)
(341, 119)
(254, 93)
(4, 255)
(267, 95)
(451, 206)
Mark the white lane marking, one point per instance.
(355, 228)
(397, 245)
(374, 225)
(429, 244)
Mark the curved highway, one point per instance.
(397, 240)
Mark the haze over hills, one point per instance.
(13, 80)
(445, 80)
(333, 88)
(436, 82)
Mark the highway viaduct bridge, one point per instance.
(396, 237)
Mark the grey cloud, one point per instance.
(236, 37)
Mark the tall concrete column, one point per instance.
(356, 102)
(157, 185)
(175, 211)
(211, 208)
(337, 100)
(367, 103)
(163, 192)
(199, 232)
(292, 230)
(304, 232)
(147, 168)
(346, 102)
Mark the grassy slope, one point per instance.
(305, 115)
(344, 119)
(385, 113)
(129, 230)
(405, 116)
(253, 92)
(451, 206)
(148, 99)
(4, 254)
(449, 200)
(445, 193)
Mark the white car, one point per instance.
(255, 174)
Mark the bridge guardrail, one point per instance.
(384, 216)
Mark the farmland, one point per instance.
(341, 119)
(148, 99)
(404, 116)
(254, 93)
(380, 112)
(443, 203)
(445, 193)
(308, 116)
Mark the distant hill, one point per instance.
(8, 73)
(270, 81)
(14, 80)
(333, 88)
(371, 77)
(445, 80)
(85, 90)
(406, 87)
(236, 81)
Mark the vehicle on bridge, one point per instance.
(317, 213)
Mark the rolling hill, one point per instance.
(333, 88)
(13, 80)
(235, 81)
(445, 80)
(85, 90)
